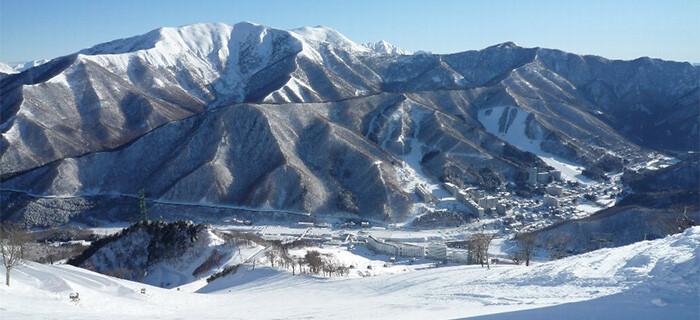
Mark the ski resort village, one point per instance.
(245, 171)
(515, 257)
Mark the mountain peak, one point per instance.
(506, 45)
(7, 69)
(205, 38)
(198, 37)
(384, 47)
(322, 34)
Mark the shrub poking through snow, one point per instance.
(213, 260)
(228, 270)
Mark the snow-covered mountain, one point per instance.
(17, 67)
(245, 117)
(7, 69)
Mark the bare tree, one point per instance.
(526, 243)
(271, 255)
(479, 243)
(288, 260)
(516, 257)
(314, 260)
(13, 241)
(300, 262)
(556, 245)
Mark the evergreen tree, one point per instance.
(142, 205)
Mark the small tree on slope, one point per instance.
(479, 244)
(526, 244)
(13, 241)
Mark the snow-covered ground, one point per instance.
(366, 263)
(646, 280)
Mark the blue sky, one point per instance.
(624, 29)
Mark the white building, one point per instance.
(395, 248)
(550, 201)
(409, 250)
(532, 176)
(488, 202)
(543, 177)
(556, 175)
(535, 177)
(457, 255)
(554, 190)
(425, 194)
(465, 199)
(502, 208)
(382, 246)
(452, 188)
(437, 251)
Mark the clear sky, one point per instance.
(618, 29)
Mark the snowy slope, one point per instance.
(646, 280)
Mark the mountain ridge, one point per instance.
(315, 87)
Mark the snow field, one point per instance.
(646, 280)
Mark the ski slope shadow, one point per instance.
(639, 303)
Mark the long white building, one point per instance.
(395, 248)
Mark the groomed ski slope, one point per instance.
(646, 280)
(515, 134)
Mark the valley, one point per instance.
(240, 171)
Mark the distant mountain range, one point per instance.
(255, 119)
(17, 67)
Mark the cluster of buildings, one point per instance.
(553, 192)
(353, 224)
(536, 177)
(551, 199)
(477, 200)
(480, 203)
(465, 197)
